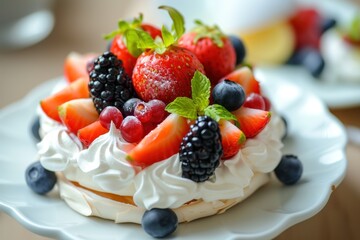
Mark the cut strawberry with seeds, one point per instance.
(245, 77)
(232, 138)
(77, 114)
(77, 89)
(75, 66)
(252, 121)
(89, 133)
(161, 143)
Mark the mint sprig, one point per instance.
(191, 108)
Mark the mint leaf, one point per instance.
(218, 112)
(200, 90)
(167, 37)
(183, 106)
(178, 21)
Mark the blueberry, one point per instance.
(159, 223)
(240, 49)
(289, 169)
(39, 179)
(309, 58)
(35, 126)
(229, 94)
(129, 106)
(327, 23)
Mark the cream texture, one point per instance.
(103, 167)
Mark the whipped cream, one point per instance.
(342, 59)
(103, 167)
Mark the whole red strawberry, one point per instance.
(129, 54)
(212, 48)
(164, 71)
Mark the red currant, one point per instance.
(157, 109)
(256, 101)
(143, 112)
(110, 114)
(132, 129)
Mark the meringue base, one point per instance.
(121, 210)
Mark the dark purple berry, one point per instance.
(159, 223)
(289, 170)
(239, 47)
(39, 179)
(229, 94)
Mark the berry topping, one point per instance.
(164, 70)
(143, 112)
(129, 106)
(289, 170)
(77, 114)
(89, 133)
(159, 223)
(111, 114)
(75, 90)
(39, 179)
(256, 101)
(252, 121)
(327, 23)
(232, 138)
(132, 129)
(244, 76)
(213, 48)
(201, 150)
(76, 66)
(161, 143)
(309, 58)
(240, 49)
(109, 84)
(229, 94)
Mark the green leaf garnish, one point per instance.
(200, 89)
(205, 31)
(218, 112)
(183, 106)
(167, 37)
(123, 26)
(178, 21)
(199, 104)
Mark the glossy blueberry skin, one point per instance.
(35, 126)
(229, 94)
(309, 58)
(39, 179)
(240, 49)
(129, 106)
(289, 170)
(159, 223)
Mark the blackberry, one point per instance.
(109, 84)
(201, 150)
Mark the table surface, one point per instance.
(77, 28)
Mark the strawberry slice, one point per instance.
(245, 77)
(89, 133)
(78, 113)
(251, 120)
(77, 89)
(232, 138)
(75, 66)
(161, 143)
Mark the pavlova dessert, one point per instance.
(160, 129)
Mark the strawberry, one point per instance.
(119, 44)
(232, 138)
(164, 71)
(251, 120)
(77, 89)
(89, 133)
(214, 50)
(245, 77)
(77, 114)
(75, 66)
(307, 28)
(161, 143)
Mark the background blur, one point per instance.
(79, 26)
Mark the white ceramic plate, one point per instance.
(334, 94)
(314, 135)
